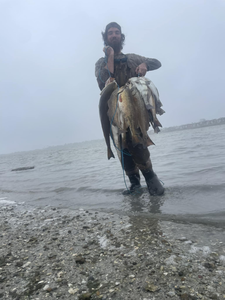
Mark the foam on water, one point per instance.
(103, 241)
(205, 250)
(222, 259)
(5, 201)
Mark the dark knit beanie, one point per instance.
(112, 24)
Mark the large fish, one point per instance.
(150, 95)
(129, 111)
(103, 108)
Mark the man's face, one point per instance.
(114, 38)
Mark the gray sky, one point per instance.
(48, 49)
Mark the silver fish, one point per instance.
(150, 95)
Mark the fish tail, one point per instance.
(110, 153)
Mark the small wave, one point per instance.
(6, 191)
(67, 163)
(41, 198)
(82, 188)
(98, 190)
(197, 188)
(19, 192)
(210, 169)
(60, 170)
(63, 189)
(4, 200)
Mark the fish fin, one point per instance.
(149, 141)
(157, 123)
(160, 111)
(149, 106)
(156, 129)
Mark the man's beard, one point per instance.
(117, 46)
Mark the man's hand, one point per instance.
(141, 69)
(108, 51)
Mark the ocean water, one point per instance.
(190, 163)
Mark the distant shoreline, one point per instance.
(202, 123)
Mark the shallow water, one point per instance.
(190, 163)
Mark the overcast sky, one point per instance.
(48, 49)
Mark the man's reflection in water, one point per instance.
(141, 201)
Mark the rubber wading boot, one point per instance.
(135, 184)
(154, 185)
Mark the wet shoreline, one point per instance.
(57, 253)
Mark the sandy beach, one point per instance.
(53, 253)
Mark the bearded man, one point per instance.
(121, 67)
